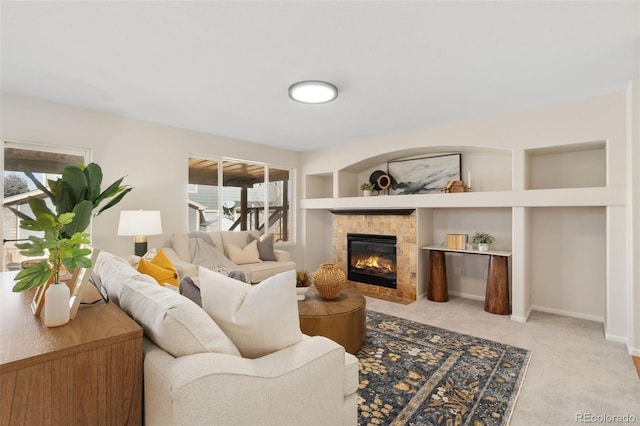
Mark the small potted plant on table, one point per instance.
(482, 239)
(303, 282)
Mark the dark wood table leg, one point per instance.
(497, 300)
(437, 290)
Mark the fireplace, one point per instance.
(372, 259)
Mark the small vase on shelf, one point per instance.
(483, 247)
(56, 305)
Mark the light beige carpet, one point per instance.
(574, 372)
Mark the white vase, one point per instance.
(301, 291)
(366, 193)
(483, 247)
(56, 305)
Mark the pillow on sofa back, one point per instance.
(265, 246)
(242, 256)
(259, 319)
(172, 321)
(160, 268)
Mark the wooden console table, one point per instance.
(87, 372)
(496, 301)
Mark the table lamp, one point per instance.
(140, 224)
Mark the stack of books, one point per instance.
(457, 241)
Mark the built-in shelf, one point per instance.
(567, 166)
(564, 197)
(523, 196)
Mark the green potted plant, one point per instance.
(78, 191)
(303, 281)
(60, 251)
(482, 239)
(75, 196)
(366, 188)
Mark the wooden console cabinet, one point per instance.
(87, 372)
(496, 301)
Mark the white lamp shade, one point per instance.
(140, 222)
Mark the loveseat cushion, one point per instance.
(172, 321)
(260, 271)
(259, 319)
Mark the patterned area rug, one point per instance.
(416, 374)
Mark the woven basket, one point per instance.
(329, 280)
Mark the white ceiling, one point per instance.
(224, 67)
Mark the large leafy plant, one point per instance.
(78, 192)
(75, 196)
(61, 250)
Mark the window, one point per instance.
(235, 195)
(45, 162)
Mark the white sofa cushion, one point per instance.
(111, 272)
(172, 321)
(259, 319)
(262, 270)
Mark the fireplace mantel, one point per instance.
(394, 212)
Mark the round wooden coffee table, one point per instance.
(342, 319)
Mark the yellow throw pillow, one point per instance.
(160, 268)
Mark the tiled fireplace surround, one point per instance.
(404, 228)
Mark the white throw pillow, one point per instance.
(241, 256)
(172, 321)
(259, 319)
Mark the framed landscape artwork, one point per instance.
(423, 175)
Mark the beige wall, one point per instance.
(594, 282)
(153, 158)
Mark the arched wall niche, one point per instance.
(490, 169)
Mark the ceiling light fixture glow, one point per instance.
(313, 92)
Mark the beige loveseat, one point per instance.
(188, 252)
(194, 375)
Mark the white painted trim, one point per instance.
(523, 319)
(617, 339)
(634, 351)
(569, 314)
(467, 296)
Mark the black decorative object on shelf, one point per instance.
(380, 180)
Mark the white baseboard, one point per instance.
(634, 351)
(523, 319)
(614, 338)
(569, 314)
(467, 296)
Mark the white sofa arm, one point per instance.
(301, 384)
(185, 269)
(282, 255)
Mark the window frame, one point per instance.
(265, 209)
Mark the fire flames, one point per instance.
(374, 264)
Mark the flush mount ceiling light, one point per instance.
(313, 92)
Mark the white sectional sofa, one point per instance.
(187, 257)
(193, 375)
